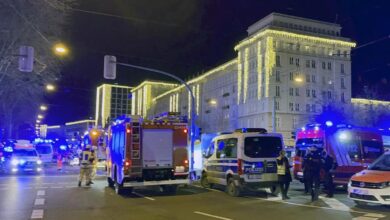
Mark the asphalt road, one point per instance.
(55, 195)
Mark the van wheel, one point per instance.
(360, 203)
(275, 190)
(232, 189)
(110, 182)
(204, 182)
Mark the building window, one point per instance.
(277, 60)
(342, 83)
(277, 76)
(297, 107)
(291, 60)
(313, 78)
(291, 92)
(277, 91)
(276, 105)
(307, 108)
(297, 61)
(308, 63)
(342, 68)
(291, 76)
(277, 122)
(291, 106)
(296, 91)
(313, 107)
(313, 64)
(329, 94)
(323, 65)
(342, 97)
(307, 92)
(329, 65)
(313, 93)
(308, 78)
(294, 123)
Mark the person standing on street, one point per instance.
(86, 166)
(94, 163)
(329, 166)
(313, 164)
(284, 175)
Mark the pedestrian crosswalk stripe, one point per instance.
(37, 213)
(334, 203)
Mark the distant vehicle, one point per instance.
(373, 184)
(45, 151)
(353, 148)
(101, 163)
(24, 160)
(75, 161)
(148, 153)
(244, 159)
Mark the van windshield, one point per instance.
(382, 164)
(44, 149)
(24, 153)
(262, 147)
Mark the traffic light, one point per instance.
(26, 59)
(109, 67)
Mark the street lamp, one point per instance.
(38, 121)
(60, 49)
(50, 87)
(40, 116)
(43, 107)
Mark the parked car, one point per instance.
(373, 184)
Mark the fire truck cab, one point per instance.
(353, 148)
(147, 153)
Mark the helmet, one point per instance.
(87, 147)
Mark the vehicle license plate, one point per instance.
(254, 176)
(360, 192)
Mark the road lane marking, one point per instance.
(334, 203)
(41, 193)
(364, 218)
(39, 202)
(212, 216)
(56, 187)
(140, 195)
(374, 215)
(37, 213)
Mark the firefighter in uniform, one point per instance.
(94, 163)
(86, 165)
(313, 164)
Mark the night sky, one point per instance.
(188, 37)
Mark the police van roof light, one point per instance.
(329, 123)
(250, 130)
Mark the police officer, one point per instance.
(329, 166)
(86, 165)
(313, 164)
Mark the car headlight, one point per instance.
(39, 162)
(14, 162)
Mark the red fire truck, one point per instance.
(148, 153)
(353, 148)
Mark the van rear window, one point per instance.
(262, 147)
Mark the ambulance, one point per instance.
(242, 160)
(142, 153)
(373, 184)
(353, 148)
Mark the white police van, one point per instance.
(244, 159)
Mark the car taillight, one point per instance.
(127, 164)
(185, 163)
(240, 171)
(185, 130)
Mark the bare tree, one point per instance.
(37, 23)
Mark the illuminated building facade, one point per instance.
(287, 70)
(76, 129)
(143, 94)
(112, 101)
(376, 113)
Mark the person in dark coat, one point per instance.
(284, 175)
(313, 164)
(329, 166)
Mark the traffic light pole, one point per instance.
(193, 115)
